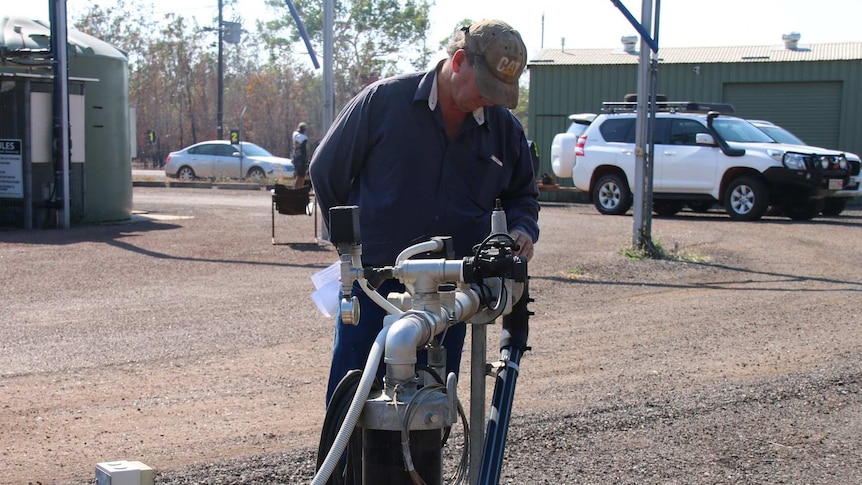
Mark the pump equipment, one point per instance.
(395, 434)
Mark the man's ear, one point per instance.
(458, 58)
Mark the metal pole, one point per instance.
(328, 114)
(61, 116)
(641, 236)
(220, 109)
(239, 140)
(478, 360)
(328, 79)
(27, 152)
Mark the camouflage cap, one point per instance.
(499, 57)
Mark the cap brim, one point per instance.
(493, 89)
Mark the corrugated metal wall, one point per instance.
(828, 93)
(810, 110)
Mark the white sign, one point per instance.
(11, 169)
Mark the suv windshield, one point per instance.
(738, 130)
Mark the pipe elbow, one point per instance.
(404, 337)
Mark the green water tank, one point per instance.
(100, 178)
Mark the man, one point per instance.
(300, 154)
(424, 155)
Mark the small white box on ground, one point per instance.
(123, 473)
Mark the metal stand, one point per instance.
(478, 373)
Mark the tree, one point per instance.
(371, 37)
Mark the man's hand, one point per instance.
(523, 240)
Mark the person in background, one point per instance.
(300, 154)
(427, 154)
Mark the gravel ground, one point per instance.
(186, 340)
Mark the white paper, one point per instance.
(326, 298)
(324, 276)
(328, 289)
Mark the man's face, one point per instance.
(465, 94)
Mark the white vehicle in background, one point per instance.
(703, 156)
(223, 159)
(834, 205)
(563, 146)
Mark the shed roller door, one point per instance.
(812, 111)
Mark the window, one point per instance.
(223, 150)
(684, 132)
(618, 130)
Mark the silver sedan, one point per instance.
(219, 159)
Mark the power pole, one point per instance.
(646, 105)
(328, 75)
(220, 109)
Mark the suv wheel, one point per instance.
(746, 199)
(834, 206)
(667, 207)
(700, 206)
(611, 195)
(804, 210)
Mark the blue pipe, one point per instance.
(513, 344)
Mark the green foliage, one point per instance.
(371, 37)
(656, 250)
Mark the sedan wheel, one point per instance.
(186, 173)
(256, 174)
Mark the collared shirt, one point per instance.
(300, 147)
(387, 152)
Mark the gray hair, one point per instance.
(458, 40)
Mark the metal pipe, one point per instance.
(411, 331)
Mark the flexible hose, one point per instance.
(425, 247)
(336, 410)
(378, 298)
(352, 417)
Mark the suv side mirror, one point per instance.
(704, 139)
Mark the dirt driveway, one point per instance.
(186, 340)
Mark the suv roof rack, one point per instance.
(669, 106)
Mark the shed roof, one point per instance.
(841, 51)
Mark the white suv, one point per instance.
(563, 146)
(703, 157)
(833, 206)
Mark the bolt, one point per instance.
(431, 418)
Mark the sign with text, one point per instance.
(11, 169)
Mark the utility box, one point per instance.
(123, 473)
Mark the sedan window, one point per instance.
(224, 150)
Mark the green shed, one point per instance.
(813, 90)
(100, 178)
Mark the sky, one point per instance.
(584, 23)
